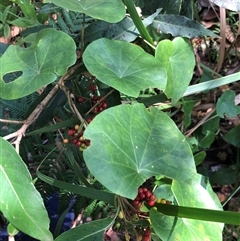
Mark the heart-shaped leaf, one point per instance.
(178, 25)
(171, 228)
(20, 202)
(226, 105)
(122, 158)
(233, 5)
(87, 232)
(50, 55)
(124, 66)
(178, 59)
(111, 11)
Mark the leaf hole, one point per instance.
(9, 77)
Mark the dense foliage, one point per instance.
(91, 94)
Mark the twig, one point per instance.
(99, 101)
(36, 113)
(11, 121)
(200, 122)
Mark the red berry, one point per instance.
(151, 203)
(137, 198)
(79, 143)
(135, 203)
(71, 132)
(92, 87)
(104, 105)
(145, 189)
(148, 194)
(96, 110)
(89, 120)
(80, 99)
(142, 196)
(100, 109)
(74, 141)
(87, 142)
(94, 98)
(140, 190)
(147, 232)
(152, 198)
(146, 238)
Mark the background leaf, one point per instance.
(226, 105)
(20, 202)
(123, 30)
(126, 67)
(180, 26)
(178, 59)
(233, 136)
(126, 157)
(87, 232)
(39, 64)
(99, 9)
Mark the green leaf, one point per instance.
(233, 5)
(226, 105)
(199, 157)
(180, 26)
(87, 231)
(188, 229)
(12, 231)
(6, 30)
(178, 59)
(187, 106)
(128, 157)
(82, 191)
(39, 64)
(23, 22)
(28, 10)
(124, 66)
(111, 11)
(123, 30)
(199, 214)
(207, 139)
(20, 202)
(233, 136)
(3, 16)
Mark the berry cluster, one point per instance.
(144, 195)
(75, 136)
(99, 105)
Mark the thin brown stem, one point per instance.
(36, 113)
(11, 121)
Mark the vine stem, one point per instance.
(37, 111)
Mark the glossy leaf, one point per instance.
(233, 5)
(178, 59)
(178, 25)
(87, 232)
(39, 64)
(188, 229)
(126, 67)
(226, 105)
(111, 11)
(20, 202)
(233, 136)
(128, 157)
